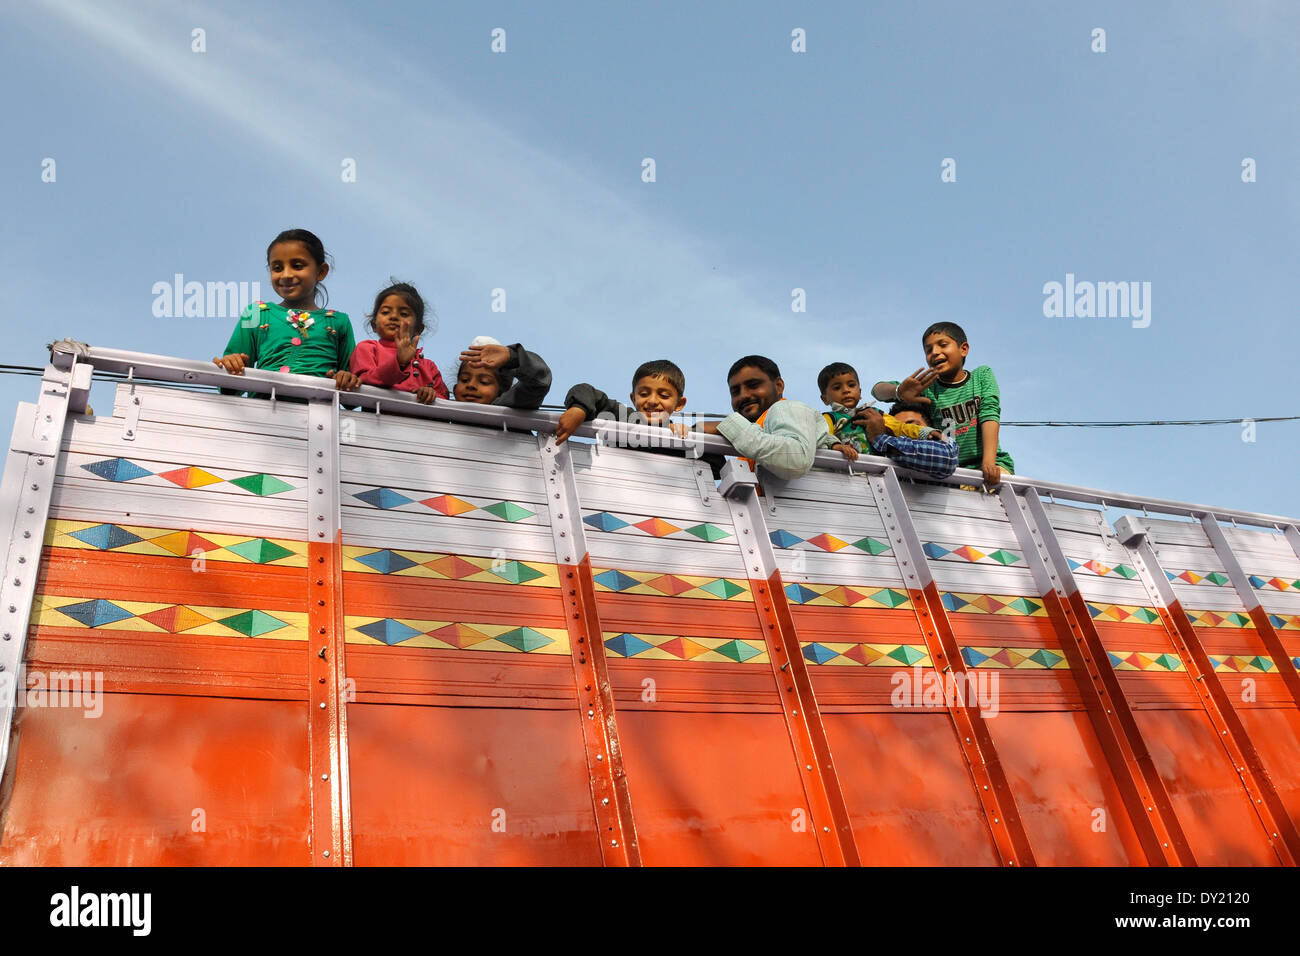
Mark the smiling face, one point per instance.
(294, 274)
(844, 389)
(944, 355)
(390, 315)
(478, 385)
(753, 393)
(656, 398)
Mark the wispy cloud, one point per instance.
(486, 206)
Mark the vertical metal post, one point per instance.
(327, 696)
(25, 492)
(1002, 816)
(1131, 765)
(1293, 535)
(1250, 600)
(1268, 805)
(821, 785)
(610, 796)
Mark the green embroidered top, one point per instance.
(278, 339)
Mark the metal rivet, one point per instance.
(600, 756)
(326, 853)
(324, 776)
(322, 705)
(605, 802)
(591, 713)
(320, 428)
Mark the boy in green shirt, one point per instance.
(967, 404)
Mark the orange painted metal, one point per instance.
(327, 701)
(1266, 801)
(610, 798)
(1141, 788)
(827, 809)
(1002, 817)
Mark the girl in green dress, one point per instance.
(296, 335)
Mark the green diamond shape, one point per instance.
(253, 623)
(871, 546)
(1147, 614)
(525, 639)
(517, 573)
(1004, 557)
(259, 550)
(908, 655)
(1263, 663)
(722, 588)
(1024, 605)
(509, 511)
(1124, 571)
(262, 484)
(1241, 620)
(889, 597)
(1168, 662)
(738, 651)
(1217, 578)
(1046, 657)
(708, 532)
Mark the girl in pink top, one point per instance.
(394, 360)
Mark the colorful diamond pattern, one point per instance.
(835, 595)
(653, 527)
(670, 585)
(106, 537)
(448, 505)
(154, 618)
(260, 550)
(1100, 569)
(167, 542)
(826, 542)
(456, 635)
(117, 469)
(668, 647)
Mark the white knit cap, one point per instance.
(483, 340)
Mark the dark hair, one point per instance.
(315, 248)
(830, 371)
(950, 329)
(669, 370)
(412, 297)
(917, 407)
(760, 362)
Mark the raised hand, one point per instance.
(486, 356)
(405, 344)
(912, 388)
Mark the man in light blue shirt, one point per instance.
(773, 432)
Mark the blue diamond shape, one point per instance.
(952, 602)
(95, 613)
(1115, 659)
(1277, 620)
(818, 654)
(800, 594)
(972, 657)
(389, 631)
(386, 562)
(933, 550)
(106, 537)
(615, 580)
(1256, 581)
(627, 645)
(604, 521)
(116, 469)
(1171, 577)
(382, 498)
(784, 539)
(1094, 610)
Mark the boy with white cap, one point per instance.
(494, 374)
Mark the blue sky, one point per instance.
(774, 170)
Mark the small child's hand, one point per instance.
(678, 429)
(345, 381)
(911, 389)
(234, 364)
(992, 475)
(848, 451)
(486, 356)
(872, 421)
(405, 344)
(569, 421)
(426, 394)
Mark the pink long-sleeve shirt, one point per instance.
(374, 361)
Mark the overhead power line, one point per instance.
(36, 372)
